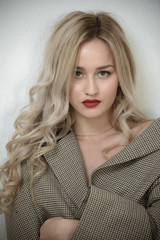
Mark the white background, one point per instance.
(24, 29)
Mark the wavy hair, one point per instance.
(48, 116)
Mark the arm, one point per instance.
(23, 222)
(108, 215)
(58, 228)
(153, 209)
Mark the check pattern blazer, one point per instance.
(121, 201)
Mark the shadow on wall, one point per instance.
(3, 234)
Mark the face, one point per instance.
(94, 85)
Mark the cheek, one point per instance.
(72, 94)
(111, 90)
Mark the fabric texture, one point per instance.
(121, 201)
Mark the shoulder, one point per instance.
(138, 128)
(148, 133)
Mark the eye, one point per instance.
(103, 74)
(78, 74)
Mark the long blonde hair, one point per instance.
(48, 117)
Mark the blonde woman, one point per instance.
(84, 162)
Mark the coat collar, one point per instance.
(147, 142)
(66, 161)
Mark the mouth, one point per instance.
(91, 103)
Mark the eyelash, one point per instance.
(75, 74)
(106, 74)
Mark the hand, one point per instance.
(58, 228)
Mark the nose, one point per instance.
(91, 86)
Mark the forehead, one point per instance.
(94, 51)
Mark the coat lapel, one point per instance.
(147, 142)
(66, 162)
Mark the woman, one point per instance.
(83, 162)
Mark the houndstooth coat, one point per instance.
(121, 201)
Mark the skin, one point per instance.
(91, 81)
(58, 228)
(95, 78)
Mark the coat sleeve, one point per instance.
(108, 215)
(23, 223)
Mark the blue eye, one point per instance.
(78, 74)
(103, 73)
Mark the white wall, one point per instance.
(24, 28)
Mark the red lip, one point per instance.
(91, 103)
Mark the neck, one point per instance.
(91, 127)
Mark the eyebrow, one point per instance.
(99, 68)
